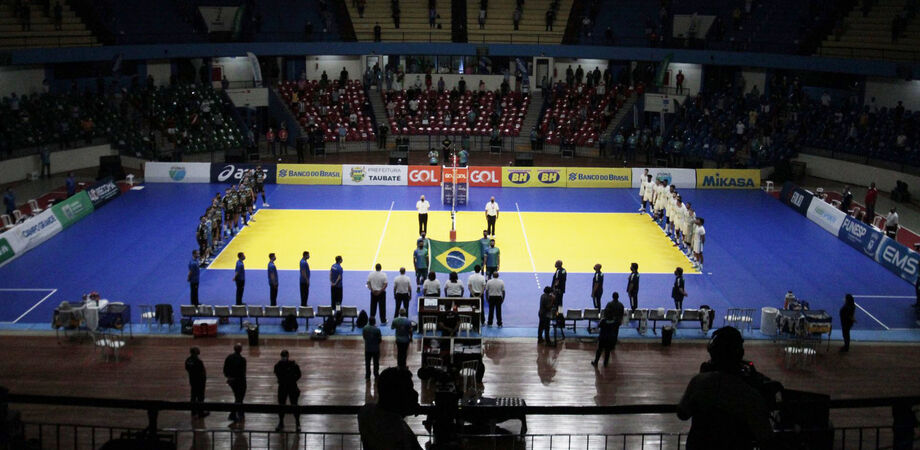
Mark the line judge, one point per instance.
(491, 215)
(422, 206)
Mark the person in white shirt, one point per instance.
(891, 223)
(642, 186)
(422, 206)
(402, 291)
(649, 194)
(680, 215)
(495, 290)
(431, 287)
(476, 285)
(377, 284)
(699, 238)
(491, 215)
(689, 226)
(453, 287)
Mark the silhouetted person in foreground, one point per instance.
(382, 425)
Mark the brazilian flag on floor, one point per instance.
(449, 257)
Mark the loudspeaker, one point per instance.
(110, 166)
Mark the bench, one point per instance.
(249, 312)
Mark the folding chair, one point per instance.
(306, 313)
(17, 216)
(255, 312)
(240, 312)
(574, 315)
(164, 314)
(33, 205)
(273, 311)
(429, 324)
(7, 222)
(188, 311)
(205, 311)
(222, 312)
(591, 315)
(350, 313)
(466, 325)
(148, 316)
(732, 318)
(468, 372)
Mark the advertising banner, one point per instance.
(232, 173)
(727, 179)
(897, 258)
(33, 231)
(424, 175)
(485, 176)
(826, 216)
(330, 174)
(102, 192)
(374, 175)
(797, 198)
(533, 177)
(860, 236)
(6, 251)
(680, 178)
(593, 177)
(160, 172)
(73, 209)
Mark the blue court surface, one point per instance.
(137, 248)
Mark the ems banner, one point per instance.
(458, 257)
(727, 179)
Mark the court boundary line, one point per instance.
(384, 232)
(52, 292)
(873, 317)
(884, 296)
(533, 265)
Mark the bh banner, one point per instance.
(797, 198)
(533, 177)
(309, 174)
(157, 172)
(73, 209)
(103, 192)
(591, 177)
(485, 176)
(370, 175)
(424, 175)
(458, 257)
(232, 173)
(727, 179)
(680, 178)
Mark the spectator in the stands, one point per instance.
(58, 16)
(377, 32)
(847, 200)
(382, 425)
(361, 5)
(45, 155)
(482, 18)
(308, 31)
(516, 17)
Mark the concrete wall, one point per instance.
(333, 66)
(754, 77)
(18, 169)
(693, 77)
(888, 92)
(237, 69)
(856, 174)
(160, 70)
(588, 65)
(21, 80)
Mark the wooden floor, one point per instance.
(640, 373)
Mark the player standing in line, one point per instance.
(680, 216)
(671, 206)
(201, 235)
(689, 225)
(260, 185)
(229, 227)
(649, 193)
(660, 202)
(699, 238)
(217, 219)
(209, 234)
(642, 191)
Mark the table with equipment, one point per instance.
(440, 306)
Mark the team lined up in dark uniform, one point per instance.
(222, 218)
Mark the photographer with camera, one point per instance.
(382, 425)
(726, 400)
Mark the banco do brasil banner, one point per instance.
(458, 257)
(309, 174)
(593, 177)
(533, 176)
(727, 179)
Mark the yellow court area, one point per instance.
(579, 239)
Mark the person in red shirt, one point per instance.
(270, 140)
(871, 197)
(283, 139)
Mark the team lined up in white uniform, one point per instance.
(676, 217)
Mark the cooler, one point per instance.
(204, 327)
(817, 322)
(768, 320)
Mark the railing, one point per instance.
(877, 53)
(516, 37)
(876, 436)
(407, 36)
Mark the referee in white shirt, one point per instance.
(422, 206)
(377, 284)
(491, 216)
(402, 291)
